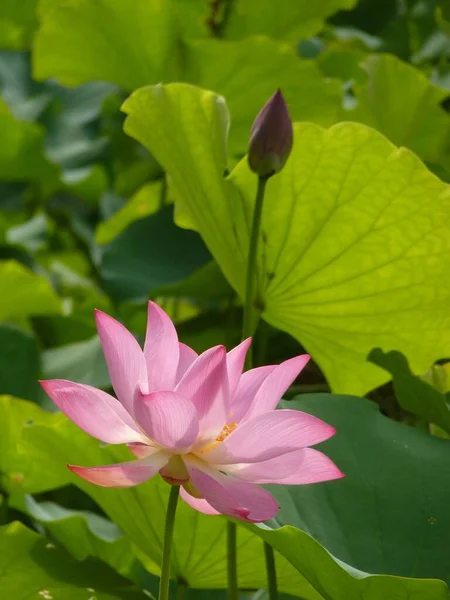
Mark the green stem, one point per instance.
(233, 592)
(167, 545)
(271, 572)
(251, 318)
(181, 588)
(250, 322)
(251, 314)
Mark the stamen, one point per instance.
(226, 431)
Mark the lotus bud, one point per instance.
(271, 138)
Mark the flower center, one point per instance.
(226, 431)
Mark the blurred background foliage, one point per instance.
(87, 221)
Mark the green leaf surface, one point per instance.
(82, 533)
(305, 568)
(19, 363)
(354, 240)
(282, 19)
(82, 362)
(22, 153)
(145, 202)
(68, 46)
(264, 66)
(24, 293)
(399, 101)
(412, 393)
(397, 479)
(18, 21)
(207, 283)
(30, 566)
(21, 472)
(149, 253)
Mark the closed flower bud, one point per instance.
(271, 138)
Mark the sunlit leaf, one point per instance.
(354, 232)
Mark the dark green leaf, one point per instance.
(413, 394)
(30, 566)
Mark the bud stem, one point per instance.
(251, 318)
(251, 313)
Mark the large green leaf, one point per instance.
(24, 293)
(32, 567)
(399, 101)
(305, 568)
(354, 242)
(394, 493)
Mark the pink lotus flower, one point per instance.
(198, 421)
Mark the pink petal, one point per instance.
(95, 412)
(275, 385)
(235, 363)
(161, 350)
(142, 450)
(123, 474)
(126, 363)
(248, 385)
(269, 435)
(205, 383)
(187, 357)
(296, 468)
(169, 419)
(237, 499)
(198, 503)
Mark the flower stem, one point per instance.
(167, 546)
(233, 592)
(251, 313)
(271, 572)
